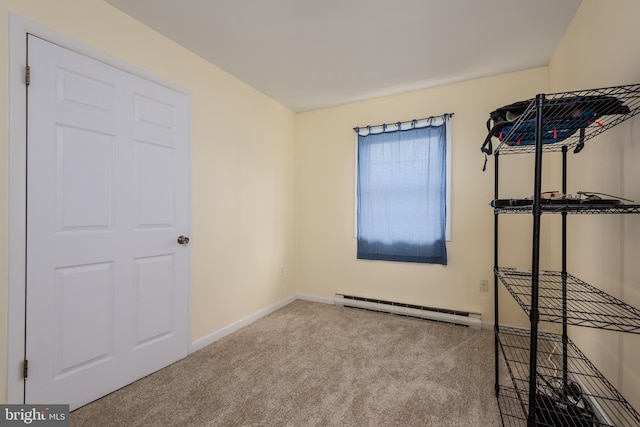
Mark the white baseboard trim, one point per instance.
(313, 298)
(201, 343)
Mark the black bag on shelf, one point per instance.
(551, 412)
(563, 117)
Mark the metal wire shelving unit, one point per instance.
(552, 383)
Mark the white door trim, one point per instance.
(19, 27)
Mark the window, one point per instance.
(403, 193)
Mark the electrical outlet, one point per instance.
(484, 285)
(282, 271)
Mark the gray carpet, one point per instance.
(311, 364)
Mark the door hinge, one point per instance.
(25, 369)
(27, 75)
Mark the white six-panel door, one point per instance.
(107, 199)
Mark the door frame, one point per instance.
(19, 27)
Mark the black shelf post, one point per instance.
(565, 335)
(535, 262)
(496, 327)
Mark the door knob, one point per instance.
(183, 240)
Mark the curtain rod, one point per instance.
(410, 124)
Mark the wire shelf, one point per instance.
(586, 305)
(512, 408)
(586, 390)
(586, 113)
(584, 209)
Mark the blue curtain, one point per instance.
(402, 195)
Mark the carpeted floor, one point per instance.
(311, 364)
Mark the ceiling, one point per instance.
(310, 54)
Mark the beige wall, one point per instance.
(325, 174)
(242, 157)
(600, 49)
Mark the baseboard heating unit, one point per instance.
(472, 320)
